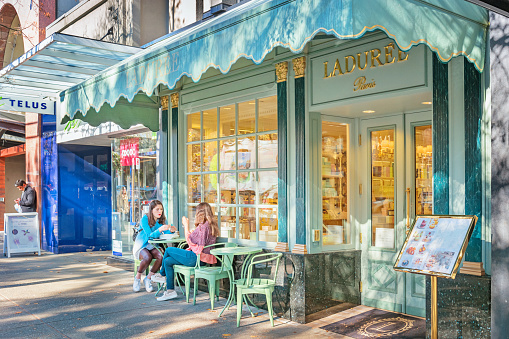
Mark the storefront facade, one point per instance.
(325, 152)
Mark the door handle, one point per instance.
(407, 210)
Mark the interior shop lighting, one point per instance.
(426, 103)
(369, 111)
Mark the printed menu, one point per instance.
(435, 245)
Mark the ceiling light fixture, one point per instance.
(368, 111)
(426, 102)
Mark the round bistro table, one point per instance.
(233, 251)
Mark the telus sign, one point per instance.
(27, 104)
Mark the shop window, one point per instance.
(134, 181)
(234, 167)
(335, 175)
(382, 188)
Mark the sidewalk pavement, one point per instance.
(78, 296)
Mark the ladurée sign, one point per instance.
(367, 69)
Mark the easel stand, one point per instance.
(434, 308)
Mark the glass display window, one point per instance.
(423, 170)
(134, 180)
(235, 166)
(382, 186)
(336, 228)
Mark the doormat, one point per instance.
(380, 324)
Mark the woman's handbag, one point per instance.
(136, 230)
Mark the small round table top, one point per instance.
(166, 241)
(242, 250)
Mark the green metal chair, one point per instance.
(213, 274)
(250, 285)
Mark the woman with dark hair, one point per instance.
(204, 234)
(152, 225)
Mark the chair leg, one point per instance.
(212, 292)
(217, 291)
(239, 305)
(188, 286)
(195, 287)
(268, 296)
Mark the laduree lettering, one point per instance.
(374, 58)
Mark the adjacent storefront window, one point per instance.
(335, 175)
(232, 159)
(134, 186)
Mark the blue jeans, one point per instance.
(175, 256)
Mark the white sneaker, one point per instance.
(168, 294)
(148, 284)
(136, 285)
(158, 278)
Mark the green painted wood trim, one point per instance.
(473, 158)
(282, 130)
(174, 164)
(315, 180)
(440, 137)
(300, 148)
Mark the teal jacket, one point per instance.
(146, 233)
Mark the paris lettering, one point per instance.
(368, 59)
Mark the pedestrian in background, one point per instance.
(28, 200)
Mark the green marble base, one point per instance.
(464, 307)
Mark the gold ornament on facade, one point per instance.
(299, 67)
(174, 100)
(282, 71)
(164, 103)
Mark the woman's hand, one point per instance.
(173, 229)
(163, 228)
(185, 222)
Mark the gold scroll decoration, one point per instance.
(299, 66)
(282, 71)
(174, 100)
(164, 103)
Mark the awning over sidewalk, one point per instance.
(252, 30)
(59, 62)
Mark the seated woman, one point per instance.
(153, 224)
(204, 234)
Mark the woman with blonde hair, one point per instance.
(204, 234)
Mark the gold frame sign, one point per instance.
(436, 244)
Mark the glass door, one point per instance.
(396, 170)
(419, 196)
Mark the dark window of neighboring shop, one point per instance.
(232, 162)
(135, 185)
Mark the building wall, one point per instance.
(131, 22)
(499, 91)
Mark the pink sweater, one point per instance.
(200, 238)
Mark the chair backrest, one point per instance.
(217, 244)
(260, 259)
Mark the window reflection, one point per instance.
(336, 228)
(267, 187)
(247, 113)
(238, 172)
(267, 150)
(194, 127)
(227, 121)
(382, 188)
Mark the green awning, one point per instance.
(253, 29)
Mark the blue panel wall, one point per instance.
(49, 185)
(84, 211)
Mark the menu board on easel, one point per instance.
(436, 245)
(22, 233)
